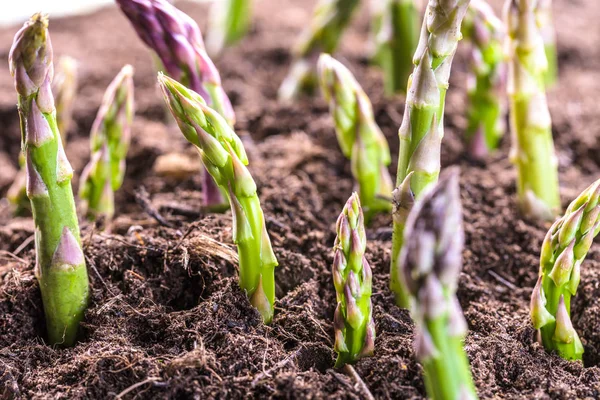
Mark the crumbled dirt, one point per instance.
(167, 319)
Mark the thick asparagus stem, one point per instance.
(109, 142)
(60, 263)
(545, 22)
(223, 155)
(330, 19)
(563, 251)
(64, 87)
(533, 147)
(353, 319)
(359, 137)
(430, 261)
(229, 22)
(422, 127)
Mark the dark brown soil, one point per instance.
(167, 319)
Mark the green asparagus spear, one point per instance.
(64, 87)
(545, 22)
(422, 127)
(229, 22)
(109, 142)
(533, 147)
(60, 263)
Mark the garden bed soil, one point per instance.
(167, 319)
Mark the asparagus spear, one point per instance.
(430, 261)
(229, 22)
(545, 22)
(322, 35)
(533, 147)
(422, 127)
(487, 79)
(60, 264)
(353, 319)
(177, 41)
(109, 142)
(223, 155)
(563, 251)
(359, 137)
(64, 87)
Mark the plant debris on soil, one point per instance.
(167, 318)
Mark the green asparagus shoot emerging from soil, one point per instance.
(533, 147)
(430, 261)
(223, 155)
(229, 22)
(359, 136)
(64, 87)
(545, 22)
(353, 319)
(422, 127)
(563, 252)
(109, 142)
(321, 36)
(60, 263)
(486, 85)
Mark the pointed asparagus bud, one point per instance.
(403, 199)
(564, 328)
(457, 325)
(35, 184)
(68, 254)
(261, 302)
(339, 327)
(369, 344)
(561, 272)
(424, 346)
(540, 316)
(570, 227)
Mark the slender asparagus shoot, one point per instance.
(109, 142)
(486, 85)
(64, 87)
(60, 263)
(422, 127)
(545, 22)
(322, 35)
(224, 157)
(531, 127)
(229, 22)
(353, 318)
(396, 37)
(431, 260)
(177, 41)
(563, 251)
(359, 137)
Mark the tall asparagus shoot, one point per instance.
(533, 147)
(563, 251)
(359, 137)
(223, 155)
(330, 19)
(486, 85)
(64, 87)
(353, 319)
(545, 22)
(431, 260)
(422, 127)
(229, 22)
(177, 41)
(109, 142)
(60, 263)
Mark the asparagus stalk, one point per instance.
(533, 147)
(353, 319)
(223, 155)
(430, 261)
(422, 127)
(545, 22)
(109, 142)
(64, 87)
(330, 19)
(487, 79)
(563, 251)
(229, 22)
(359, 137)
(60, 263)
(177, 40)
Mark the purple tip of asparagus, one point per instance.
(68, 253)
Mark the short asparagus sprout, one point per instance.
(431, 261)
(109, 142)
(177, 40)
(60, 263)
(545, 22)
(486, 85)
(353, 318)
(64, 87)
(359, 137)
(563, 251)
(229, 22)
(330, 19)
(422, 127)
(531, 126)
(223, 155)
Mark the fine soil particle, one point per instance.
(167, 319)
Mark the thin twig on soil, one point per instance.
(24, 244)
(135, 386)
(349, 369)
(143, 199)
(502, 280)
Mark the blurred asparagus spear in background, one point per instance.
(531, 126)
(177, 41)
(64, 87)
(109, 142)
(422, 127)
(224, 157)
(359, 136)
(486, 85)
(545, 22)
(330, 19)
(229, 21)
(60, 263)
